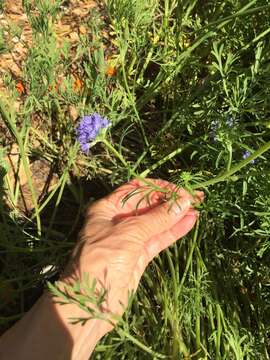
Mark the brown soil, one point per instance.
(18, 35)
(18, 39)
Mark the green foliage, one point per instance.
(41, 14)
(188, 96)
(3, 43)
(83, 294)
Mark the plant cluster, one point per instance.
(172, 89)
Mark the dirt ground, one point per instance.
(18, 35)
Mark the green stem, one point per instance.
(117, 154)
(178, 343)
(161, 162)
(134, 105)
(219, 331)
(132, 172)
(9, 118)
(198, 299)
(189, 260)
(140, 344)
(56, 205)
(140, 159)
(234, 169)
(168, 157)
(229, 162)
(219, 178)
(242, 12)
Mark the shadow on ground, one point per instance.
(27, 259)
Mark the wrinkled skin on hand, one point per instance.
(117, 241)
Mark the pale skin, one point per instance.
(115, 246)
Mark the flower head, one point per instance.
(230, 122)
(214, 129)
(20, 88)
(223, 129)
(111, 71)
(77, 85)
(89, 128)
(246, 155)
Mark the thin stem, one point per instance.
(116, 153)
(229, 162)
(9, 118)
(168, 157)
(56, 205)
(242, 12)
(131, 172)
(219, 331)
(140, 344)
(189, 260)
(219, 178)
(161, 162)
(234, 169)
(134, 105)
(198, 299)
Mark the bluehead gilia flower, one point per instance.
(214, 130)
(246, 155)
(230, 122)
(89, 128)
(219, 128)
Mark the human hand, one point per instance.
(115, 246)
(117, 241)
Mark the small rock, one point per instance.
(74, 37)
(13, 8)
(15, 40)
(80, 11)
(14, 68)
(20, 49)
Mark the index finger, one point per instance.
(140, 195)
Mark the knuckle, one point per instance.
(93, 207)
(132, 229)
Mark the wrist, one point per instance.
(45, 332)
(83, 335)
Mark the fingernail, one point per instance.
(179, 206)
(193, 212)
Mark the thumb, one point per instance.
(163, 217)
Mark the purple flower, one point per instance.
(214, 129)
(246, 155)
(230, 121)
(89, 128)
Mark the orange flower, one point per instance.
(111, 70)
(56, 86)
(20, 88)
(78, 84)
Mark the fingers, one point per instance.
(160, 242)
(139, 196)
(162, 217)
(129, 199)
(150, 191)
